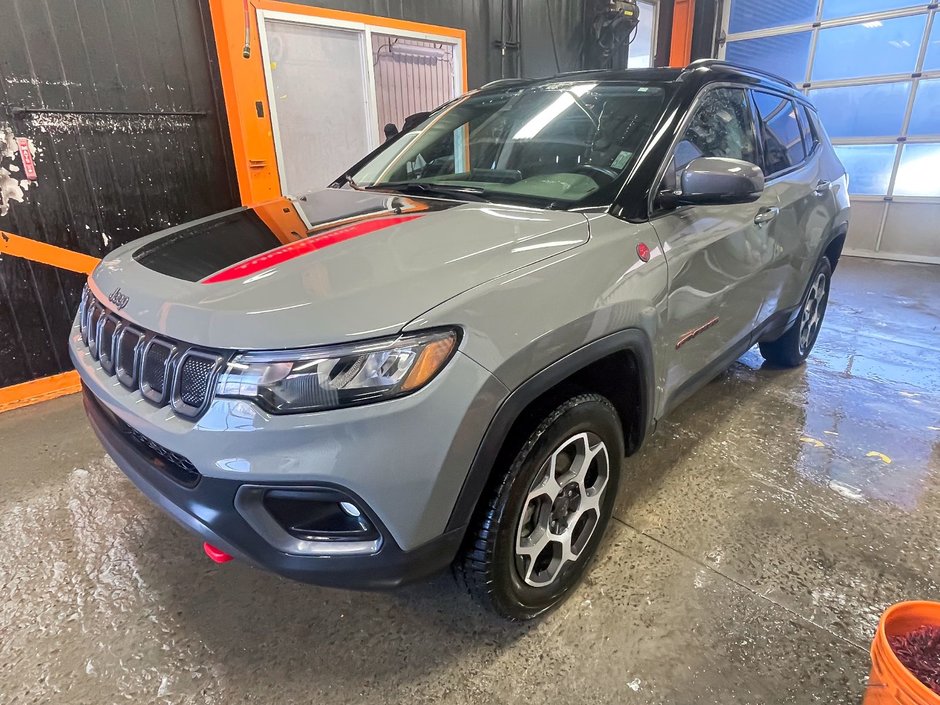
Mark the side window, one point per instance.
(810, 138)
(780, 131)
(722, 126)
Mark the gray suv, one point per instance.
(443, 358)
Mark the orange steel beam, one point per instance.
(245, 92)
(36, 251)
(38, 390)
(680, 53)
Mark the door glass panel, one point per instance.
(925, 120)
(722, 126)
(917, 174)
(783, 140)
(863, 111)
(932, 60)
(411, 76)
(869, 49)
(835, 9)
(785, 55)
(810, 138)
(748, 15)
(869, 167)
(320, 94)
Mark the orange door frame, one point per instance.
(683, 18)
(245, 91)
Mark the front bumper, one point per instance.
(208, 510)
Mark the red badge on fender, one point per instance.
(643, 252)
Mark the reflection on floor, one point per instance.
(759, 536)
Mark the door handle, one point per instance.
(765, 215)
(822, 187)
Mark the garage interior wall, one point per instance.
(872, 67)
(117, 105)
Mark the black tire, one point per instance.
(490, 567)
(792, 348)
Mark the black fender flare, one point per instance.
(631, 340)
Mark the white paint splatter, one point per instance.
(634, 685)
(10, 190)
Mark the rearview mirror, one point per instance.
(716, 181)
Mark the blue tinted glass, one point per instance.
(932, 61)
(785, 55)
(863, 111)
(747, 15)
(917, 173)
(783, 141)
(870, 49)
(834, 9)
(869, 167)
(925, 120)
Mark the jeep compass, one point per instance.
(442, 358)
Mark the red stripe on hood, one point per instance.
(301, 247)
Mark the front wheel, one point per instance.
(545, 514)
(794, 346)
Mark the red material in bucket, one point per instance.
(890, 683)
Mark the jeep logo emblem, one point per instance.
(118, 299)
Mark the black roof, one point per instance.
(705, 70)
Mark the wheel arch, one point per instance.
(593, 367)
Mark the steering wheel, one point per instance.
(592, 170)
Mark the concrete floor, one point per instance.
(757, 542)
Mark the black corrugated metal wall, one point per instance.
(83, 80)
(122, 102)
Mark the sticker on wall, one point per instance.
(14, 179)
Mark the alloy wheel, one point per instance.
(813, 311)
(562, 509)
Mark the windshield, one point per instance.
(549, 145)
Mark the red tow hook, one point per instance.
(215, 554)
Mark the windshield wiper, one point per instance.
(348, 179)
(469, 192)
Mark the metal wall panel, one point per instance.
(123, 106)
(120, 103)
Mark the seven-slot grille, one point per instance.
(165, 371)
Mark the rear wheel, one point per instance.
(544, 515)
(794, 346)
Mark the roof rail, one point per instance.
(707, 63)
(506, 82)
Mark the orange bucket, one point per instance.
(890, 683)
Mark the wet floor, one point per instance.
(759, 536)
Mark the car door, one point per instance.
(793, 176)
(714, 254)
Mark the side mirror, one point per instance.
(716, 181)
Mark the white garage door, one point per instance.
(872, 67)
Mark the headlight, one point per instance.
(294, 381)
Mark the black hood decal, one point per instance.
(197, 252)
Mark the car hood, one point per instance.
(340, 265)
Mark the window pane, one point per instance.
(785, 55)
(722, 126)
(863, 111)
(810, 139)
(834, 9)
(869, 49)
(925, 120)
(747, 15)
(917, 174)
(869, 167)
(932, 61)
(641, 48)
(783, 141)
